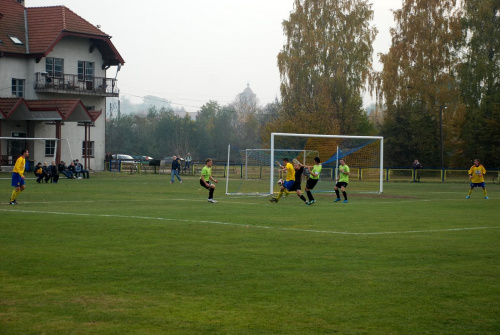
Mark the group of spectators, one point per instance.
(47, 172)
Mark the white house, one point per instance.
(53, 85)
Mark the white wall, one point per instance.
(72, 50)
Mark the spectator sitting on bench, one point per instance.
(46, 172)
(71, 168)
(39, 172)
(64, 170)
(79, 169)
(82, 170)
(53, 172)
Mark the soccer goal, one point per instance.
(40, 147)
(248, 170)
(363, 155)
(255, 172)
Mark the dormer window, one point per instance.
(16, 40)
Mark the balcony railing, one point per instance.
(76, 84)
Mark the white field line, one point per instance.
(328, 202)
(245, 225)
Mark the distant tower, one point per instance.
(247, 96)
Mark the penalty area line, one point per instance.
(249, 226)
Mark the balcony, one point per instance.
(75, 84)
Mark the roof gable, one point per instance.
(70, 110)
(46, 26)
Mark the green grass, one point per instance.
(133, 254)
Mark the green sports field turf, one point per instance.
(134, 254)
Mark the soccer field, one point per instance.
(134, 254)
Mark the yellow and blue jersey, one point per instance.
(19, 166)
(477, 173)
(290, 172)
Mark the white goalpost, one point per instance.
(363, 154)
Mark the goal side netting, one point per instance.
(254, 171)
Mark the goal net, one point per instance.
(41, 149)
(255, 171)
(248, 170)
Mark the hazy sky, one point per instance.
(193, 51)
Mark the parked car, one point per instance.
(123, 157)
(143, 159)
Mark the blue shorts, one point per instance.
(288, 184)
(472, 185)
(17, 180)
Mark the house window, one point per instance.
(85, 70)
(18, 87)
(90, 149)
(54, 67)
(50, 147)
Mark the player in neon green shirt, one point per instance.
(476, 176)
(206, 176)
(18, 179)
(342, 180)
(314, 172)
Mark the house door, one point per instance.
(86, 74)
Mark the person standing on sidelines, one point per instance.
(289, 179)
(176, 166)
(18, 179)
(187, 165)
(342, 181)
(314, 172)
(206, 176)
(416, 171)
(476, 176)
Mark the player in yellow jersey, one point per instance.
(289, 179)
(18, 179)
(476, 176)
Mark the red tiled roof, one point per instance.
(8, 105)
(95, 114)
(12, 24)
(69, 109)
(46, 26)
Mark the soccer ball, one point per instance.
(280, 182)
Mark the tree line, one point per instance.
(440, 83)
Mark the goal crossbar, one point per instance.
(39, 139)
